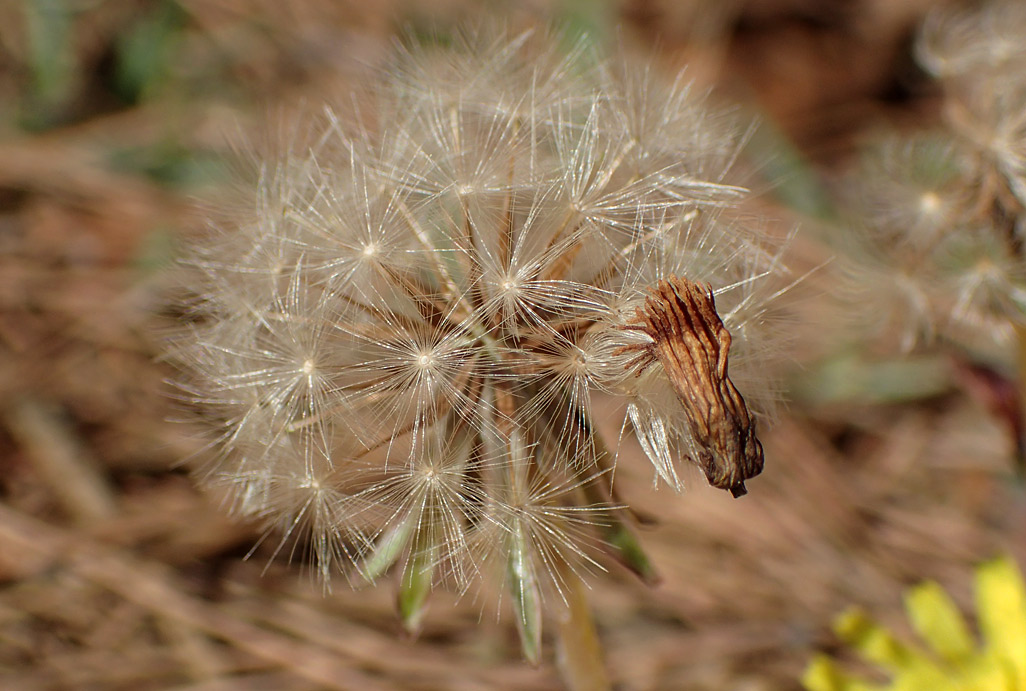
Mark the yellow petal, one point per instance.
(873, 642)
(1001, 601)
(823, 674)
(937, 620)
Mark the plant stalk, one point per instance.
(579, 652)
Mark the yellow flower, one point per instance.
(951, 660)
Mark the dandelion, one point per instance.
(401, 344)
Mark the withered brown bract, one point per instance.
(691, 343)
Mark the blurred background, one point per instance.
(116, 120)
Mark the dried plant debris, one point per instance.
(691, 343)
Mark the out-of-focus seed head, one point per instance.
(943, 212)
(955, 44)
(980, 58)
(400, 343)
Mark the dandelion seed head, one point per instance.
(401, 343)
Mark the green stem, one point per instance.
(578, 648)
